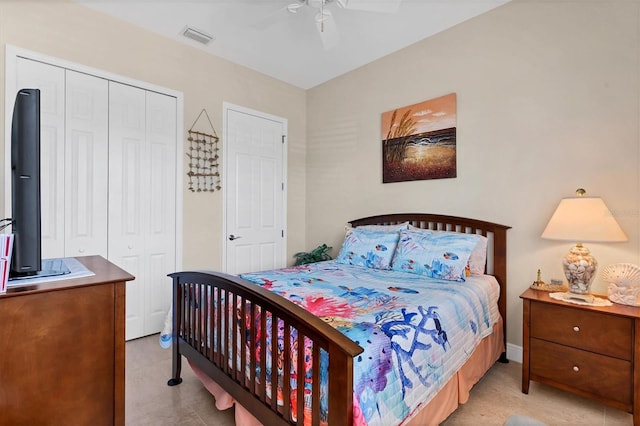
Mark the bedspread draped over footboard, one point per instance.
(219, 317)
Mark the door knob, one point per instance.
(233, 237)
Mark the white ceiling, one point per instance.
(264, 36)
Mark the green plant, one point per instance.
(318, 254)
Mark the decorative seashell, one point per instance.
(622, 274)
(624, 283)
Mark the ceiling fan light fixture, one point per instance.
(197, 35)
(322, 16)
(294, 7)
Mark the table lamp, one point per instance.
(582, 219)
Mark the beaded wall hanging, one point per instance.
(204, 174)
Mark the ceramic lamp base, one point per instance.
(579, 269)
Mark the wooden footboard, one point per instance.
(215, 314)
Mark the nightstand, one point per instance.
(590, 351)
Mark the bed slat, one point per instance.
(286, 384)
(243, 338)
(218, 334)
(274, 362)
(252, 351)
(263, 356)
(301, 373)
(315, 388)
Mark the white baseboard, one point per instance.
(514, 353)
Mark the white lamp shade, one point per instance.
(583, 219)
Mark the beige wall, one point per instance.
(547, 101)
(80, 35)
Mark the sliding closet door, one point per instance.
(50, 80)
(86, 156)
(142, 187)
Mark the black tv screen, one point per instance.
(25, 184)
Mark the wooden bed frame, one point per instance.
(196, 339)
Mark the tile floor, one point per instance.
(149, 401)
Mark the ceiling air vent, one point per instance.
(197, 35)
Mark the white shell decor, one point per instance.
(579, 269)
(624, 283)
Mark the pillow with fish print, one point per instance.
(442, 255)
(368, 248)
(478, 258)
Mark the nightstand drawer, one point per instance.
(591, 330)
(596, 374)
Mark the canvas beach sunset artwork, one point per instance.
(419, 141)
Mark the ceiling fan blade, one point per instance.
(327, 29)
(271, 18)
(383, 6)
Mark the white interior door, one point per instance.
(255, 196)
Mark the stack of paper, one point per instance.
(6, 246)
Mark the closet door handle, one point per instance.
(234, 237)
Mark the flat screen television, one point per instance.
(25, 184)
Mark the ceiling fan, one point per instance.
(323, 15)
(323, 18)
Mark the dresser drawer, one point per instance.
(590, 330)
(599, 375)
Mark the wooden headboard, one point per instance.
(496, 244)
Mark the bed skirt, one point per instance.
(453, 393)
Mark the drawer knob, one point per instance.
(576, 328)
(576, 368)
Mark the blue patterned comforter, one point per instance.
(416, 331)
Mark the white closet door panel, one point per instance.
(134, 311)
(51, 82)
(87, 149)
(129, 179)
(161, 223)
(158, 292)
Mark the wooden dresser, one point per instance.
(591, 351)
(62, 350)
